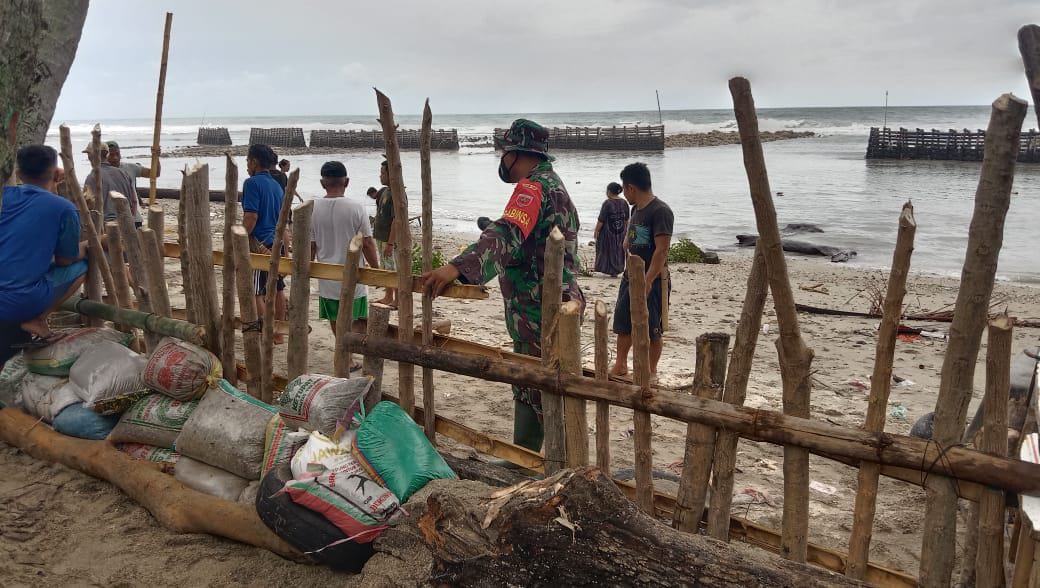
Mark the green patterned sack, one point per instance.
(154, 420)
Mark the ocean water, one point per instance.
(823, 180)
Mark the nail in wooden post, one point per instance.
(378, 327)
(227, 282)
(300, 291)
(160, 297)
(123, 297)
(267, 378)
(552, 403)
(602, 408)
(429, 400)
(247, 308)
(709, 378)
(735, 392)
(203, 282)
(343, 356)
(637, 288)
(575, 416)
(880, 387)
(989, 562)
(795, 357)
(403, 252)
(985, 238)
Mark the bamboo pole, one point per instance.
(121, 295)
(429, 399)
(158, 110)
(552, 404)
(880, 387)
(576, 432)
(266, 388)
(1029, 47)
(378, 325)
(989, 563)
(795, 357)
(247, 308)
(602, 374)
(227, 280)
(160, 297)
(734, 393)
(300, 291)
(157, 223)
(985, 238)
(344, 355)
(147, 322)
(709, 378)
(403, 251)
(203, 282)
(637, 288)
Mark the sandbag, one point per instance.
(108, 377)
(45, 396)
(248, 496)
(166, 458)
(57, 359)
(305, 529)
(208, 479)
(76, 420)
(227, 430)
(155, 420)
(11, 376)
(320, 449)
(181, 370)
(318, 403)
(395, 451)
(280, 444)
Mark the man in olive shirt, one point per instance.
(383, 230)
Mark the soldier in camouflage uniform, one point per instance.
(513, 248)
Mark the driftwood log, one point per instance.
(575, 528)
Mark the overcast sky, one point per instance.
(315, 57)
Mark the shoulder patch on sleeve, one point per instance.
(524, 206)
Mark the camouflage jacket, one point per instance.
(513, 248)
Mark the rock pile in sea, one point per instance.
(714, 138)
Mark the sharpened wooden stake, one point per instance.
(575, 415)
(158, 109)
(132, 246)
(157, 223)
(735, 393)
(880, 387)
(1029, 47)
(552, 403)
(267, 378)
(709, 379)
(123, 297)
(203, 282)
(183, 238)
(153, 264)
(641, 377)
(343, 355)
(985, 238)
(247, 308)
(602, 374)
(227, 282)
(300, 291)
(429, 399)
(378, 326)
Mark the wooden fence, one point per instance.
(442, 139)
(966, 145)
(277, 137)
(214, 136)
(648, 138)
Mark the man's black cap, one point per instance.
(333, 169)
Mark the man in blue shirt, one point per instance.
(261, 203)
(41, 254)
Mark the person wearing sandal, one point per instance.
(43, 258)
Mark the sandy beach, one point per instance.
(53, 520)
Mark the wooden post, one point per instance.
(343, 355)
(184, 238)
(1029, 47)
(132, 248)
(227, 282)
(985, 238)
(121, 295)
(158, 109)
(300, 291)
(575, 416)
(989, 562)
(735, 393)
(267, 378)
(378, 325)
(637, 288)
(247, 308)
(880, 387)
(709, 378)
(157, 223)
(94, 156)
(602, 374)
(666, 280)
(1026, 555)
(429, 399)
(552, 403)
(153, 264)
(795, 357)
(403, 253)
(203, 282)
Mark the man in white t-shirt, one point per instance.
(334, 223)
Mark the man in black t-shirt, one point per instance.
(649, 236)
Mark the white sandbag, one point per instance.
(227, 430)
(322, 450)
(314, 402)
(208, 479)
(11, 376)
(108, 377)
(57, 358)
(45, 396)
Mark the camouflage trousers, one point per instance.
(525, 394)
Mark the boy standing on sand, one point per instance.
(649, 236)
(383, 230)
(261, 204)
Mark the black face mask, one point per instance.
(506, 173)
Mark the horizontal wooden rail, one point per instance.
(334, 271)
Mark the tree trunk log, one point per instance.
(300, 292)
(20, 24)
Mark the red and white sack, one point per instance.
(181, 370)
(314, 402)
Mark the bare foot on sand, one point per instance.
(619, 371)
